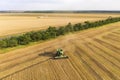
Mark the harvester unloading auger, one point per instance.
(60, 54)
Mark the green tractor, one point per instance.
(60, 54)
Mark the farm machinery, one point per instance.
(60, 54)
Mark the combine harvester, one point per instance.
(60, 54)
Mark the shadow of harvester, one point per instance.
(50, 54)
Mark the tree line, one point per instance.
(52, 32)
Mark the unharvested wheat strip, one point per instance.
(47, 72)
(42, 70)
(50, 72)
(68, 70)
(115, 70)
(107, 67)
(62, 75)
(53, 71)
(8, 78)
(103, 51)
(21, 75)
(35, 70)
(39, 71)
(99, 69)
(24, 75)
(76, 70)
(61, 66)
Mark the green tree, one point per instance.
(3, 44)
(52, 32)
(11, 42)
(45, 35)
(36, 36)
(61, 31)
(24, 39)
(68, 28)
(77, 27)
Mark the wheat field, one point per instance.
(94, 54)
(15, 23)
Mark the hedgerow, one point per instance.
(53, 32)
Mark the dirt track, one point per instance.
(94, 54)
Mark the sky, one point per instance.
(59, 5)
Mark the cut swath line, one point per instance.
(82, 55)
(103, 51)
(77, 58)
(106, 61)
(112, 38)
(94, 59)
(110, 46)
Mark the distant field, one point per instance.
(94, 54)
(12, 23)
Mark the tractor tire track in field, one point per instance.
(92, 56)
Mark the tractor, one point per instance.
(60, 54)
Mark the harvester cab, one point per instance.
(60, 54)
